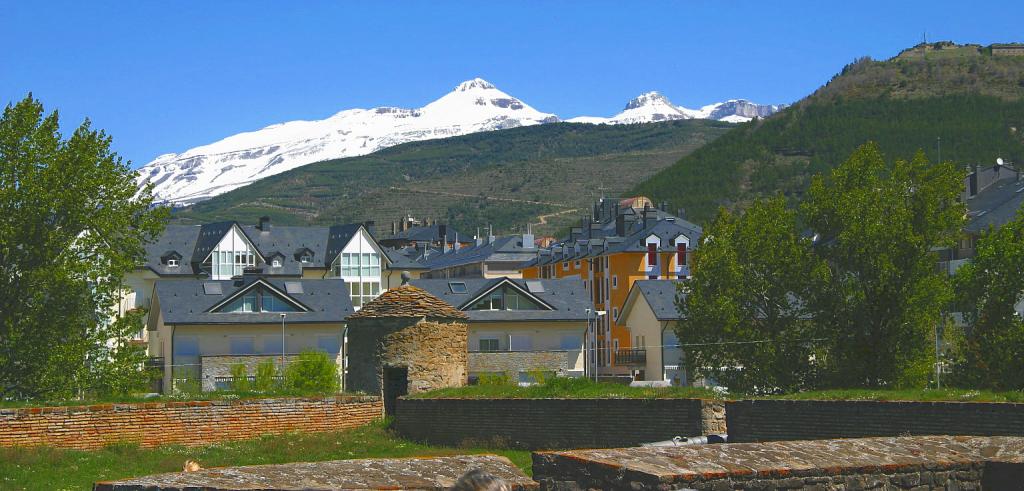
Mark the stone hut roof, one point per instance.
(408, 301)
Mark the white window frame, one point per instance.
(275, 263)
(306, 259)
(172, 263)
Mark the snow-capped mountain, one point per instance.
(474, 105)
(209, 170)
(653, 107)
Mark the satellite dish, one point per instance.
(999, 161)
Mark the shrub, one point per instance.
(495, 378)
(265, 373)
(240, 377)
(313, 371)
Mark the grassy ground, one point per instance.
(57, 469)
(570, 388)
(906, 395)
(585, 389)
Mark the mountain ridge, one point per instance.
(472, 106)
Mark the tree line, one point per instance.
(843, 291)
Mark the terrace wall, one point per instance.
(555, 423)
(769, 420)
(186, 423)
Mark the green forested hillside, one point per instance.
(506, 178)
(959, 100)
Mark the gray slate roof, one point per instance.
(429, 233)
(661, 296)
(501, 249)
(194, 243)
(185, 301)
(567, 296)
(995, 205)
(666, 227)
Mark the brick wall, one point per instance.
(187, 423)
(767, 420)
(549, 423)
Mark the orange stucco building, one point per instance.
(609, 251)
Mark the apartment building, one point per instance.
(624, 241)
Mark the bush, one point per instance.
(314, 372)
(265, 373)
(240, 378)
(496, 378)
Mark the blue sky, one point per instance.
(166, 76)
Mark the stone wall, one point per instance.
(424, 474)
(553, 423)
(435, 353)
(520, 361)
(916, 463)
(186, 423)
(768, 420)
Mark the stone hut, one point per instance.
(406, 341)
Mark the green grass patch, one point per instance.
(964, 395)
(569, 388)
(45, 468)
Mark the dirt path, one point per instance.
(464, 195)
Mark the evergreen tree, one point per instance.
(71, 226)
(882, 296)
(752, 276)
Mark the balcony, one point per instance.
(631, 356)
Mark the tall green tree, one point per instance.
(746, 305)
(988, 289)
(878, 223)
(71, 225)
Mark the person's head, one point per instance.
(478, 480)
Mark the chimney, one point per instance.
(681, 213)
(646, 211)
(264, 224)
(394, 228)
(620, 223)
(442, 232)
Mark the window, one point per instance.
(577, 264)
(520, 342)
(242, 345)
(272, 344)
(615, 312)
(172, 263)
(258, 300)
(328, 344)
(570, 342)
(489, 344)
(457, 287)
(306, 258)
(652, 254)
(363, 291)
(276, 262)
(505, 298)
(680, 254)
(231, 256)
(565, 266)
(355, 264)
(615, 281)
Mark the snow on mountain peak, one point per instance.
(473, 106)
(476, 83)
(648, 99)
(206, 171)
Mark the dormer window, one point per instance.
(305, 258)
(172, 263)
(276, 262)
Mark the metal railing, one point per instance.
(631, 356)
